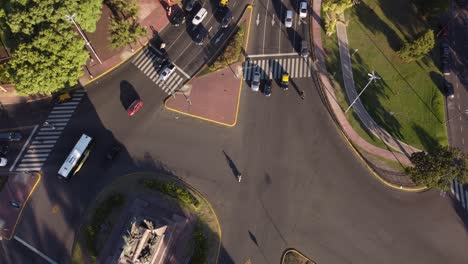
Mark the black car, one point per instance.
(10, 136)
(177, 18)
(448, 87)
(226, 19)
(114, 152)
(444, 49)
(190, 5)
(267, 88)
(199, 35)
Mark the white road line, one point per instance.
(147, 63)
(264, 26)
(57, 120)
(70, 103)
(26, 165)
(41, 146)
(181, 71)
(50, 129)
(36, 155)
(246, 63)
(301, 68)
(63, 107)
(60, 116)
(44, 141)
(49, 133)
(462, 195)
(273, 69)
(34, 159)
(153, 74)
(76, 99)
(138, 62)
(62, 111)
(33, 249)
(138, 56)
(28, 169)
(30, 151)
(293, 69)
(23, 148)
(273, 55)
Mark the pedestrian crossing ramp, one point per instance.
(149, 62)
(273, 68)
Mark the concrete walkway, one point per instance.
(321, 70)
(351, 92)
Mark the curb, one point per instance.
(248, 6)
(24, 204)
(340, 129)
(283, 257)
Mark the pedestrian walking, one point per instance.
(302, 94)
(239, 177)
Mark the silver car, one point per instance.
(288, 19)
(255, 86)
(167, 71)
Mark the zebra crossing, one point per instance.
(147, 62)
(296, 67)
(45, 139)
(460, 194)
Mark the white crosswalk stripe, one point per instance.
(147, 62)
(460, 194)
(297, 67)
(45, 139)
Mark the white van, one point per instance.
(288, 19)
(201, 14)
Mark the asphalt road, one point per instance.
(458, 107)
(302, 186)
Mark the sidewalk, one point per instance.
(15, 194)
(209, 100)
(392, 179)
(151, 15)
(351, 92)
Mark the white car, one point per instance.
(3, 162)
(255, 86)
(201, 14)
(288, 19)
(303, 10)
(167, 71)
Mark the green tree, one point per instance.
(437, 168)
(125, 32)
(127, 7)
(332, 10)
(50, 62)
(417, 49)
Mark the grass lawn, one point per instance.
(407, 101)
(330, 44)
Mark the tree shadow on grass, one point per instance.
(369, 19)
(429, 143)
(437, 79)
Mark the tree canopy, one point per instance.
(418, 48)
(47, 53)
(125, 32)
(332, 10)
(439, 167)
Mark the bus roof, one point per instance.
(74, 155)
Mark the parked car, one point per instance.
(3, 162)
(444, 49)
(285, 81)
(255, 86)
(166, 71)
(201, 14)
(190, 4)
(200, 34)
(448, 88)
(3, 150)
(10, 136)
(177, 18)
(267, 88)
(288, 19)
(113, 152)
(226, 19)
(134, 107)
(305, 51)
(446, 68)
(303, 10)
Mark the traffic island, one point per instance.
(148, 218)
(15, 191)
(292, 256)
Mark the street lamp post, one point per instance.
(372, 77)
(72, 19)
(355, 50)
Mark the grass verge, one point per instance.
(172, 190)
(295, 257)
(230, 54)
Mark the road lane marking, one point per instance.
(23, 148)
(272, 55)
(36, 155)
(33, 249)
(264, 25)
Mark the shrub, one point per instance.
(100, 215)
(200, 242)
(418, 48)
(172, 190)
(232, 51)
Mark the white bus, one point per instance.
(77, 157)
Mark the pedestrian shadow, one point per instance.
(234, 169)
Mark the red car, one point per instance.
(134, 107)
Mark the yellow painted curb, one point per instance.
(117, 65)
(24, 204)
(238, 96)
(297, 252)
